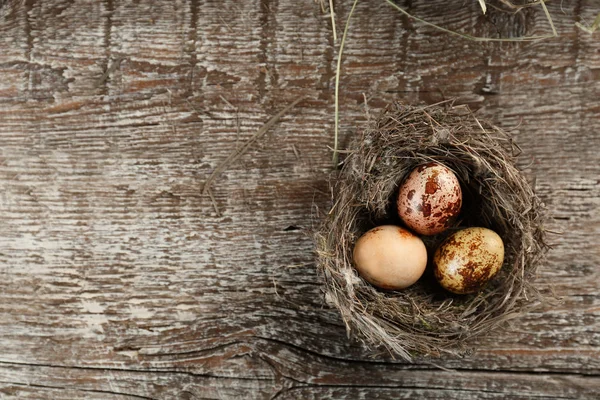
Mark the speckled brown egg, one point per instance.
(429, 199)
(390, 257)
(468, 259)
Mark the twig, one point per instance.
(214, 202)
(227, 102)
(549, 18)
(483, 6)
(337, 86)
(479, 38)
(366, 107)
(451, 32)
(517, 7)
(591, 29)
(239, 152)
(322, 4)
(332, 20)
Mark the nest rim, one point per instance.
(425, 320)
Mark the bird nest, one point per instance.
(424, 319)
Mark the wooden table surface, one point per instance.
(120, 280)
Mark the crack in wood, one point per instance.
(35, 385)
(107, 68)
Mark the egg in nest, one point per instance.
(429, 199)
(468, 259)
(390, 257)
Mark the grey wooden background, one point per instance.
(119, 280)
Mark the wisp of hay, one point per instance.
(424, 319)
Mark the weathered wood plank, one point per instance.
(366, 381)
(118, 278)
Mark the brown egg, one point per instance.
(429, 200)
(468, 259)
(390, 257)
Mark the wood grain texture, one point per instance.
(118, 280)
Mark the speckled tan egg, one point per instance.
(429, 199)
(390, 257)
(468, 259)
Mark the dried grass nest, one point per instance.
(424, 319)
